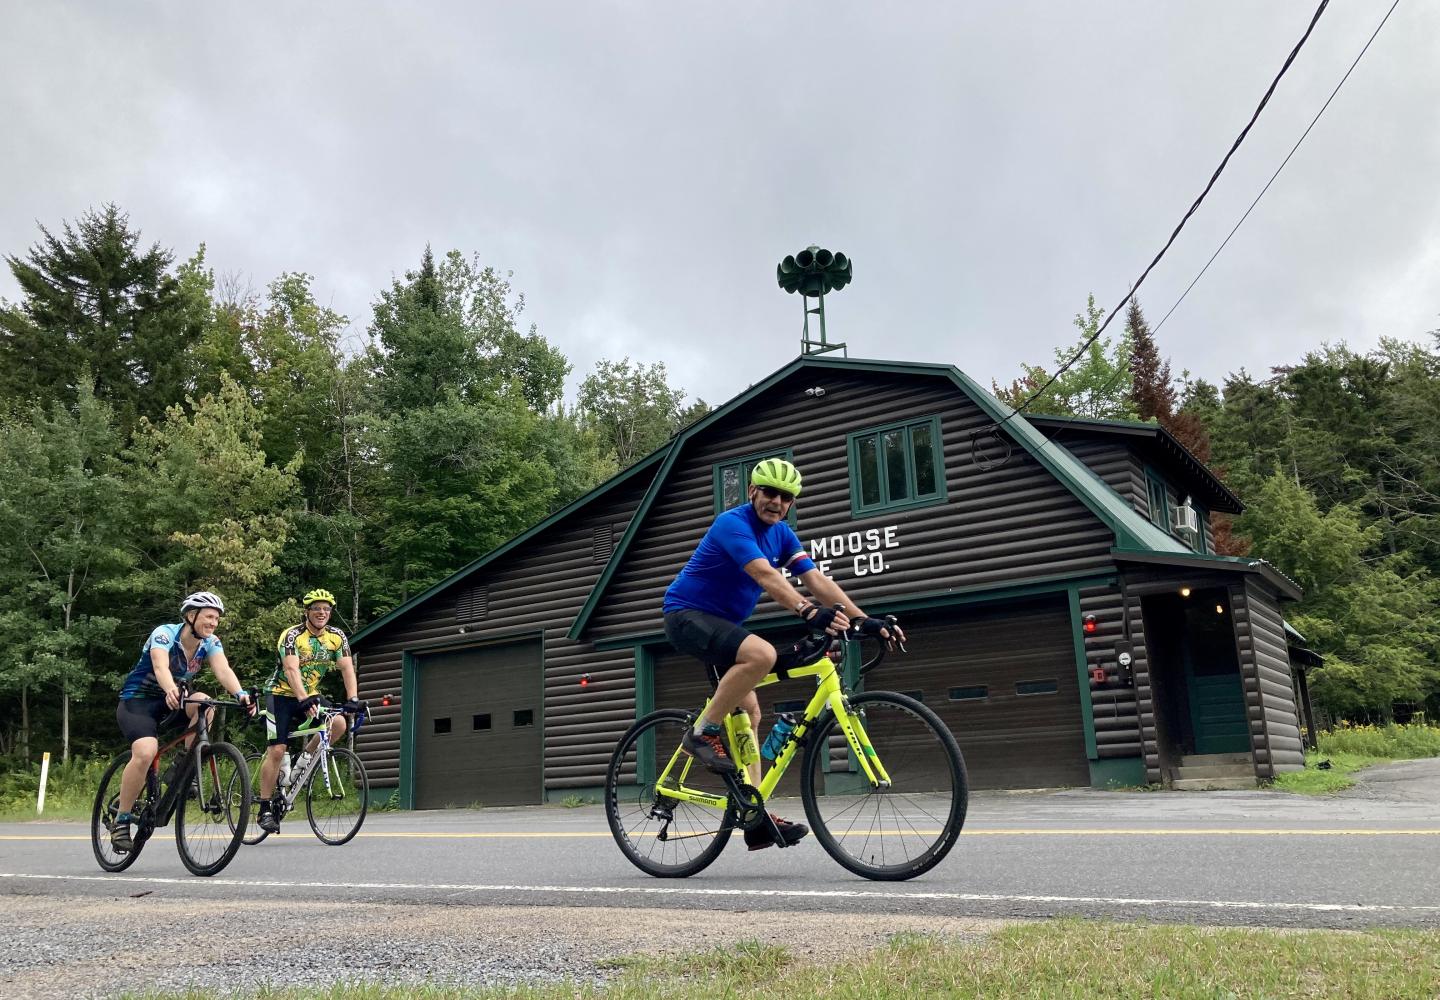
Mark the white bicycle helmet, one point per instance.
(202, 599)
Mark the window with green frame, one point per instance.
(732, 479)
(900, 465)
(1203, 516)
(1159, 507)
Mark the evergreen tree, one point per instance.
(92, 296)
(1152, 393)
(1097, 385)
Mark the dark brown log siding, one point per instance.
(539, 586)
(1009, 522)
(1269, 687)
(1114, 463)
(1115, 709)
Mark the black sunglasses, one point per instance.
(773, 494)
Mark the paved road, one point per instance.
(551, 883)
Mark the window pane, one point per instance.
(869, 469)
(524, 717)
(480, 722)
(920, 439)
(895, 466)
(730, 491)
(1157, 503)
(973, 692)
(442, 726)
(1037, 687)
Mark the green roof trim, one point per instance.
(489, 557)
(1132, 532)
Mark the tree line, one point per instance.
(1337, 460)
(166, 430)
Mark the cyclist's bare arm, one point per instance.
(160, 663)
(224, 673)
(828, 593)
(788, 598)
(290, 663)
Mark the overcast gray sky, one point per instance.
(641, 167)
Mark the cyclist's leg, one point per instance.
(337, 729)
(279, 720)
(139, 720)
(753, 660)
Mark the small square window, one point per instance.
(524, 717)
(975, 692)
(442, 726)
(1037, 687)
(480, 722)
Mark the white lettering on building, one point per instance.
(862, 551)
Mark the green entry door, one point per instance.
(1217, 701)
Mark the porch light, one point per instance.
(1219, 609)
(1184, 591)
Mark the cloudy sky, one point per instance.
(641, 167)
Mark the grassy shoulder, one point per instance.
(1348, 748)
(1066, 958)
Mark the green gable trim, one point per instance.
(1131, 530)
(518, 540)
(1187, 559)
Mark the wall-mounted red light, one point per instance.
(584, 680)
(1088, 624)
(385, 700)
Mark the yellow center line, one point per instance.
(1015, 832)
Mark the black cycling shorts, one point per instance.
(142, 717)
(709, 638)
(282, 717)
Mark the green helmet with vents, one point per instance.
(318, 594)
(778, 473)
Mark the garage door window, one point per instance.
(1037, 687)
(480, 722)
(976, 692)
(896, 467)
(442, 726)
(524, 717)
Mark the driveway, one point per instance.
(1401, 781)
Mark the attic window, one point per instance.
(473, 604)
(896, 467)
(1159, 505)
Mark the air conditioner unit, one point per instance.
(1184, 520)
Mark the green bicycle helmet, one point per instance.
(778, 473)
(318, 594)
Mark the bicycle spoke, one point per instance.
(893, 832)
(208, 819)
(336, 797)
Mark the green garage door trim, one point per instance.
(411, 681)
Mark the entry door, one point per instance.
(479, 732)
(1212, 675)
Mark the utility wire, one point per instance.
(1193, 208)
(1279, 168)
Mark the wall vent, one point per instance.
(473, 604)
(602, 543)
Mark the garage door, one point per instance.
(479, 735)
(1004, 681)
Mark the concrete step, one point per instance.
(1211, 784)
(1245, 770)
(1211, 759)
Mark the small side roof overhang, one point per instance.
(1282, 584)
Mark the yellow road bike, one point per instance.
(882, 779)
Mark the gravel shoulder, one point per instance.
(83, 947)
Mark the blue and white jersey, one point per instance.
(141, 682)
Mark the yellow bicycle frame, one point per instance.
(828, 694)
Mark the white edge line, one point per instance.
(967, 897)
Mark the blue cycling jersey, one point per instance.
(715, 581)
(141, 682)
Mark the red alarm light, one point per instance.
(1089, 625)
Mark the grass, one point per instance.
(69, 789)
(1348, 748)
(1066, 958)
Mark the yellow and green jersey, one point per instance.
(317, 654)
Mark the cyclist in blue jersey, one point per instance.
(740, 558)
(150, 696)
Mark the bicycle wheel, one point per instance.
(663, 836)
(252, 834)
(337, 808)
(102, 818)
(214, 809)
(893, 833)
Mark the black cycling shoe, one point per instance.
(268, 822)
(120, 840)
(708, 749)
(759, 838)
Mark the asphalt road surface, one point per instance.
(512, 895)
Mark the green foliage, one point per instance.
(1097, 385)
(634, 410)
(1388, 742)
(69, 789)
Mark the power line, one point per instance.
(1193, 208)
(1279, 168)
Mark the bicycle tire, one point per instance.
(885, 833)
(225, 806)
(638, 815)
(347, 774)
(102, 817)
(253, 832)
